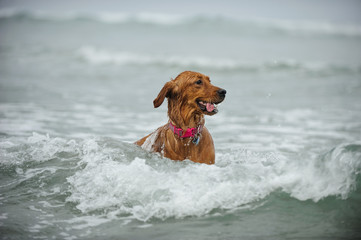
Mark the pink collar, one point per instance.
(189, 133)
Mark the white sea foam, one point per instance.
(147, 188)
(99, 56)
(309, 27)
(146, 18)
(86, 221)
(123, 181)
(105, 17)
(164, 19)
(95, 55)
(3, 216)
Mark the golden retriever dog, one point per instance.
(190, 96)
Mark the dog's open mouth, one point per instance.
(208, 107)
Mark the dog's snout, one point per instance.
(222, 92)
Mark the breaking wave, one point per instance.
(119, 179)
(101, 56)
(266, 26)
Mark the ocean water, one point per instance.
(76, 90)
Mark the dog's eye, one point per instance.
(199, 82)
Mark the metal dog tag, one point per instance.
(196, 139)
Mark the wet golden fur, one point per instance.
(184, 94)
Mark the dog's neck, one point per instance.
(189, 133)
(184, 119)
(192, 123)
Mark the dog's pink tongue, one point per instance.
(210, 107)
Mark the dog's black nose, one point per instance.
(222, 92)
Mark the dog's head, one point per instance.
(191, 92)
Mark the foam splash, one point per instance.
(117, 180)
(145, 192)
(151, 187)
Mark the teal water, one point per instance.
(76, 90)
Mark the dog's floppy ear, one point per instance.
(168, 90)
